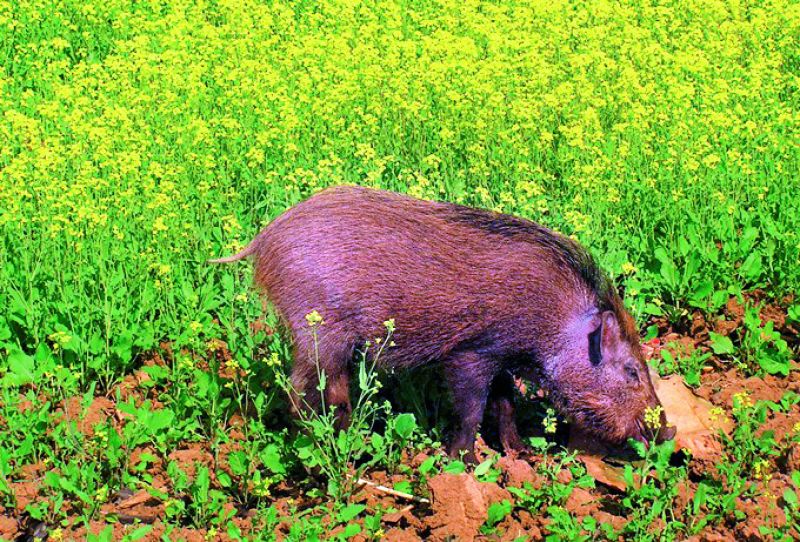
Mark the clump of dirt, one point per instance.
(28, 484)
(582, 502)
(9, 528)
(188, 458)
(460, 504)
(396, 534)
(518, 472)
(721, 387)
(100, 410)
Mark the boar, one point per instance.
(486, 296)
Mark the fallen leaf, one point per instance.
(595, 455)
(698, 427)
(603, 472)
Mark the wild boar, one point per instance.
(486, 296)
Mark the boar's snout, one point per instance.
(648, 429)
(665, 431)
(668, 433)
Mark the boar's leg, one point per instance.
(305, 379)
(469, 375)
(337, 395)
(501, 406)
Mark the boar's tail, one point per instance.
(244, 253)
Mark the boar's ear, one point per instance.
(610, 332)
(604, 337)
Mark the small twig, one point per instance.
(406, 509)
(393, 492)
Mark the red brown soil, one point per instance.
(518, 472)
(190, 457)
(9, 528)
(460, 504)
(98, 412)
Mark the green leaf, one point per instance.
(378, 442)
(160, 420)
(701, 293)
(639, 447)
(351, 530)
(455, 467)
(403, 486)
(692, 378)
(238, 462)
(497, 512)
(350, 511)
(669, 272)
(483, 468)
(138, 534)
(123, 346)
(427, 465)
(21, 368)
(752, 267)
(201, 484)
(790, 497)
(794, 313)
(223, 479)
(699, 498)
(404, 425)
(720, 344)
(747, 239)
(774, 365)
(5, 330)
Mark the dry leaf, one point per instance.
(698, 427)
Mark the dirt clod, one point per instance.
(517, 472)
(460, 504)
(9, 528)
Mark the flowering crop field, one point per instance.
(142, 390)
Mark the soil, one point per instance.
(458, 503)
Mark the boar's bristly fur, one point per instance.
(486, 296)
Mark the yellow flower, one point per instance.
(261, 488)
(652, 417)
(314, 319)
(59, 339)
(717, 413)
(274, 360)
(159, 226)
(742, 400)
(550, 422)
(761, 470)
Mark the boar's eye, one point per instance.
(632, 373)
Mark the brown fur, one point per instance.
(484, 295)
